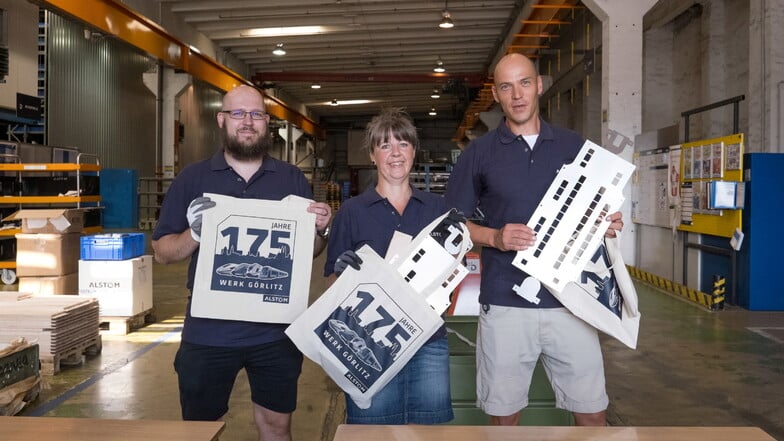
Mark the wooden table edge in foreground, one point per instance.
(347, 432)
(19, 428)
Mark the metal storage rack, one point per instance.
(151, 192)
(431, 177)
(14, 165)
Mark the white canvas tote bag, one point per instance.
(604, 295)
(365, 328)
(255, 260)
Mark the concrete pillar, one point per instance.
(285, 133)
(622, 86)
(766, 77)
(173, 85)
(296, 134)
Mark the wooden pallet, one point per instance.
(52, 364)
(122, 325)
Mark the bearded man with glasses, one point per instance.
(213, 351)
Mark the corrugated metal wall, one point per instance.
(200, 104)
(96, 99)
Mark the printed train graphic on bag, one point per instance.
(252, 259)
(365, 336)
(599, 282)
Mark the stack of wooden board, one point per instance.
(64, 327)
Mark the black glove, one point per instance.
(348, 259)
(454, 218)
(195, 210)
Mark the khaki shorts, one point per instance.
(511, 340)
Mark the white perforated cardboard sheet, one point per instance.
(255, 260)
(570, 220)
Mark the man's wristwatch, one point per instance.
(323, 234)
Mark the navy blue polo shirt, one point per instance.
(274, 181)
(370, 219)
(500, 173)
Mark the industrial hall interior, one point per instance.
(192, 175)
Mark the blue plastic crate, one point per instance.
(112, 246)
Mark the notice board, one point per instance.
(672, 186)
(703, 164)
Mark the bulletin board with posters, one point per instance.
(651, 188)
(711, 185)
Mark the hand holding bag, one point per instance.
(365, 328)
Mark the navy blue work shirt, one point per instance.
(370, 219)
(273, 181)
(500, 173)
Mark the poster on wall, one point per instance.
(650, 188)
(707, 160)
(687, 153)
(733, 161)
(687, 203)
(696, 163)
(717, 160)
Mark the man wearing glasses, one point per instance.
(213, 351)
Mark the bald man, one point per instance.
(506, 173)
(213, 351)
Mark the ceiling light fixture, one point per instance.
(446, 18)
(334, 102)
(315, 86)
(284, 31)
(279, 51)
(432, 112)
(439, 66)
(436, 94)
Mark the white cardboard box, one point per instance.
(123, 287)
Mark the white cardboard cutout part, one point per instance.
(570, 219)
(255, 260)
(432, 268)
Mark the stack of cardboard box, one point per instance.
(47, 250)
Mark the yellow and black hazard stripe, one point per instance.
(711, 301)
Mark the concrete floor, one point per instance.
(692, 367)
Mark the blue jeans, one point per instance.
(419, 393)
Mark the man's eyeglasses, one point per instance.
(240, 114)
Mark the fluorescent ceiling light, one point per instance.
(336, 102)
(315, 86)
(283, 32)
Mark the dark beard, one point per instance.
(242, 152)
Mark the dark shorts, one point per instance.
(206, 377)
